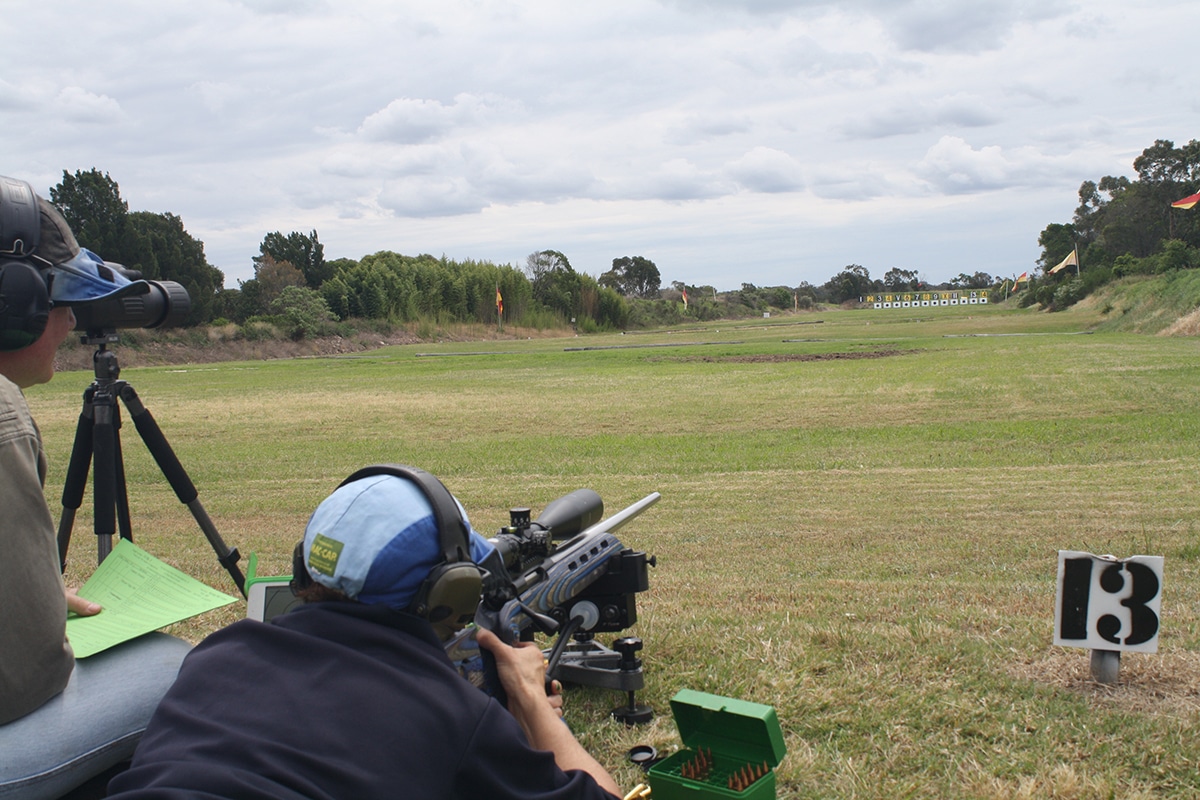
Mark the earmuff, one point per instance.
(24, 304)
(448, 597)
(24, 295)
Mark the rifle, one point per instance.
(564, 573)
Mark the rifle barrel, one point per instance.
(624, 515)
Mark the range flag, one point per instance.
(685, 298)
(1024, 276)
(1070, 261)
(1187, 202)
(499, 303)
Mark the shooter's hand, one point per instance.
(522, 671)
(81, 606)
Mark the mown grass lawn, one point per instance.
(859, 523)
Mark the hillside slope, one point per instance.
(1164, 305)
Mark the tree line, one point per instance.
(296, 286)
(1123, 226)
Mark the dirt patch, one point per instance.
(191, 347)
(773, 358)
(1187, 325)
(1163, 684)
(75, 356)
(169, 348)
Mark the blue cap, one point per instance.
(376, 540)
(87, 277)
(72, 273)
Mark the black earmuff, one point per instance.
(24, 295)
(301, 580)
(24, 304)
(448, 597)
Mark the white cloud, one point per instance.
(764, 169)
(13, 98)
(952, 166)
(78, 105)
(430, 197)
(676, 180)
(218, 96)
(408, 120)
(914, 115)
(706, 125)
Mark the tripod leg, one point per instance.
(77, 472)
(120, 492)
(104, 479)
(177, 476)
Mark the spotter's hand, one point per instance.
(80, 605)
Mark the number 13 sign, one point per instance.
(1106, 604)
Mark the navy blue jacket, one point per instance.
(340, 701)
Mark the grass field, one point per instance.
(860, 519)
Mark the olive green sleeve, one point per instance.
(35, 658)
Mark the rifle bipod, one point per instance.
(587, 662)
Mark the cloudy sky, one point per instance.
(729, 141)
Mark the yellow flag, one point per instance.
(1069, 261)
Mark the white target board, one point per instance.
(1104, 603)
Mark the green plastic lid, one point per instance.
(748, 731)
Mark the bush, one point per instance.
(257, 329)
(1067, 295)
(303, 312)
(656, 313)
(1126, 265)
(1177, 255)
(1044, 294)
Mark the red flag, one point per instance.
(1024, 276)
(499, 303)
(1187, 202)
(685, 298)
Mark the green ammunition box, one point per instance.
(732, 749)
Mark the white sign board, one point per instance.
(1108, 604)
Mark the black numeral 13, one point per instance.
(1077, 587)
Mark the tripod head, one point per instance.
(104, 361)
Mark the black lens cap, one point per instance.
(644, 756)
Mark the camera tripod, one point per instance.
(98, 440)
